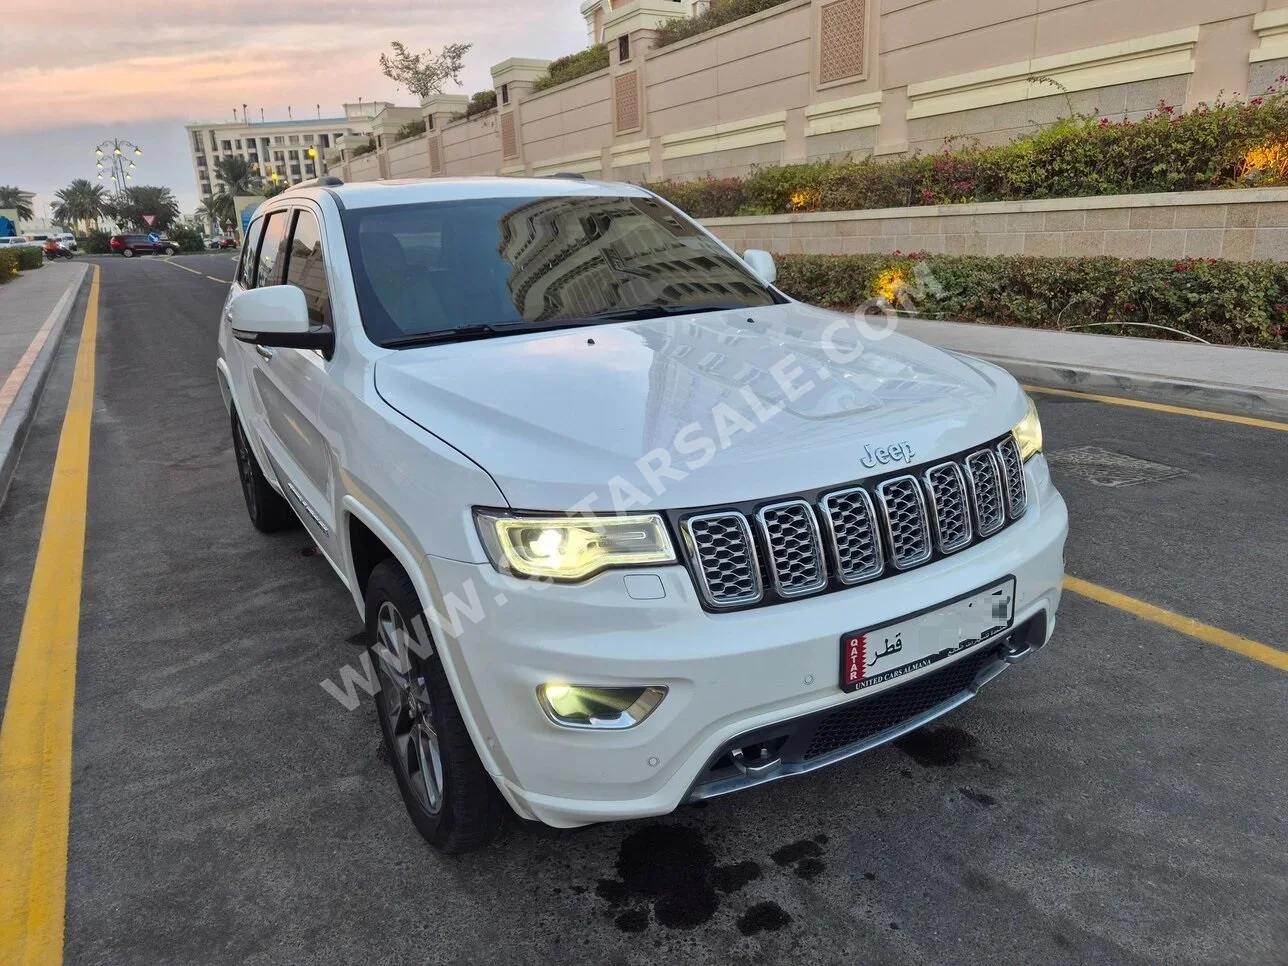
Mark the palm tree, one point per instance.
(236, 176)
(81, 202)
(11, 197)
(219, 209)
(148, 200)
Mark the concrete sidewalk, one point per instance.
(34, 309)
(1246, 382)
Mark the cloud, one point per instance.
(73, 73)
(198, 61)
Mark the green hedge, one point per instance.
(95, 243)
(30, 258)
(720, 13)
(8, 264)
(411, 129)
(1224, 302)
(188, 238)
(576, 65)
(1228, 145)
(480, 103)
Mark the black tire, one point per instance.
(471, 811)
(170, 250)
(128, 252)
(268, 510)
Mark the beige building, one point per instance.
(814, 79)
(597, 12)
(290, 151)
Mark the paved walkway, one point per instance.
(27, 317)
(1240, 380)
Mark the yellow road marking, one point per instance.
(223, 281)
(1185, 625)
(1163, 408)
(36, 737)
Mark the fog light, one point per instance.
(584, 706)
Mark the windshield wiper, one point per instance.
(653, 310)
(484, 330)
(460, 333)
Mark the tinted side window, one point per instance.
(307, 268)
(249, 247)
(268, 267)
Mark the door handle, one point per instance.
(266, 352)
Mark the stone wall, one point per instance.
(830, 79)
(1239, 224)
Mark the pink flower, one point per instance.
(1104, 122)
(1257, 101)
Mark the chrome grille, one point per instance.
(725, 558)
(793, 548)
(852, 526)
(948, 509)
(985, 480)
(904, 509)
(796, 547)
(1017, 498)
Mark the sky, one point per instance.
(75, 72)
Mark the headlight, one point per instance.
(573, 548)
(1029, 433)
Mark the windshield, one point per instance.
(531, 262)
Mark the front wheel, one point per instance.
(268, 510)
(170, 251)
(450, 797)
(128, 253)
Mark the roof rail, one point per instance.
(326, 181)
(567, 175)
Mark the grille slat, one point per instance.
(725, 556)
(985, 478)
(904, 508)
(792, 548)
(948, 508)
(852, 527)
(1017, 498)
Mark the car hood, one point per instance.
(745, 405)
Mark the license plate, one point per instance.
(913, 643)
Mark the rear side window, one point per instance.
(307, 268)
(268, 269)
(249, 248)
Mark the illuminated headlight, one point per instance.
(578, 706)
(1029, 433)
(573, 548)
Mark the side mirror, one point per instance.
(762, 263)
(277, 316)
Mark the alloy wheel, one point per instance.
(245, 468)
(408, 710)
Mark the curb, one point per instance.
(1218, 397)
(16, 422)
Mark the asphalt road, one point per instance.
(1123, 798)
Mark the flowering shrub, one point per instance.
(1224, 302)
(1224, 145)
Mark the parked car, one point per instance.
(67, 240)
(18, 241)
(628, 526)
(131, 245)
(221, 242)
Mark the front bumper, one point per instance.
(731, 677)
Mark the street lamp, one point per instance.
(114, 150)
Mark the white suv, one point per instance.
(628, 526)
